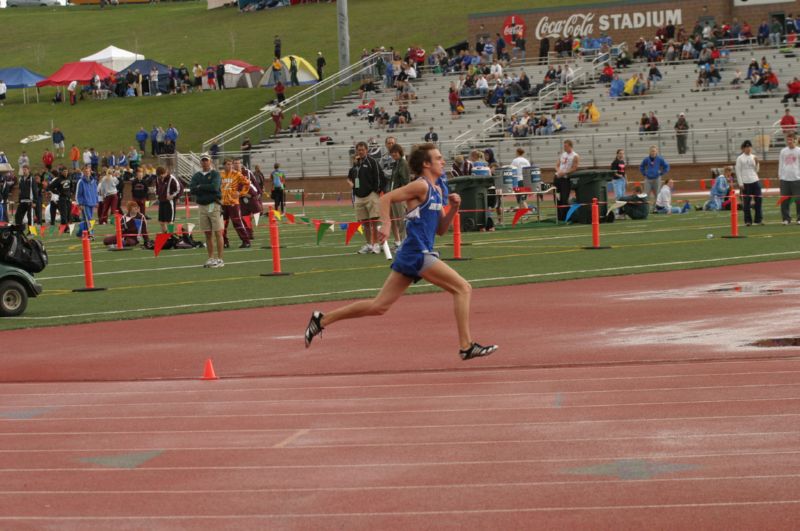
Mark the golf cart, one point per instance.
(16, 285)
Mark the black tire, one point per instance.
(13, 298)
(469, 224)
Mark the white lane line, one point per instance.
(365, 290)
(470, 442)
(517, 484)
(400, 427)
(548, 406)
(207, 392)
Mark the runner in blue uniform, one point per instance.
(416, 259)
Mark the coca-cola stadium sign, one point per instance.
(586, 24)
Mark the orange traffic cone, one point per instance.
(208, 372)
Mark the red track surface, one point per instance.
(604, 409)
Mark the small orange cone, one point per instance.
(208, 372)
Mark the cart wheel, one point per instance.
(13, 298)
(470, 225)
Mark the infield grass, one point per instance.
(140, 285)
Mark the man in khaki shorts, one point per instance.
(206, 186)
(365, 178)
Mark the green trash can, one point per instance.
(473, 190)
(588, 184)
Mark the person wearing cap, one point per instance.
(206, 186)
(749, 184)
(681, 133)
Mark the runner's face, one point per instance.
(437, 162)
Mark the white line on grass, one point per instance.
(365, 290)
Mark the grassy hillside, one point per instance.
(42, 39)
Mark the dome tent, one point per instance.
(306, 74)
(17, 77)
(144, 66)
(241, 74)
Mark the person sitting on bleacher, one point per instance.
(608, 74)
(794, 91)
(311, 123)
(524, 83)
(714, 77)
(737, 78)
(482, 86)
(654, 75)
(566, 101)
(770, 81)
(401, 116)
(407, 92)
(617, 87)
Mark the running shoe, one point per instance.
(209, 262)
(476, 351)
(314, 327)
(376, 249)
(217, 263)
(365, 249)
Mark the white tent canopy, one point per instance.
(114, 58)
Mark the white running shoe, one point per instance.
(365, 249)
(210, 262)
(376, 249)
(217, 263)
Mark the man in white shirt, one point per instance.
(747, 176)
(3, 91)
(496, 70)
(72, 89)
(87, 157)
(482, 85)
(23, 160)
(789, 173)
(567, 163)
(518, 163)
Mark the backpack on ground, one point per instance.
(18, 250)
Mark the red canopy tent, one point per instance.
(80, 72)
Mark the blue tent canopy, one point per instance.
(17, 77)
(144, 66)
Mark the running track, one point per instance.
(629, 402)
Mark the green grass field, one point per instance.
(140, 285)
(42, 39)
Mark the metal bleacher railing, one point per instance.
(323, 93)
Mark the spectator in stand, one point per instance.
(617, 87)
(566, 101)
(431, 137)
(770, 81)
(747, 174)
(654, 75)
(664, 201)
(794, 91)
(461, 166)
(681, 133)
(788, 122)
(320, 65)
(608, 74)
(644, 125)
(653, 167)
(737, 78)
(789, 173)
(775, 33)
(763, 33)
(295, 126)
(652, 123)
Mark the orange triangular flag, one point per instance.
(248, 221)
(316, 223)
(702, 184)
(782, 199)
(290, 218)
